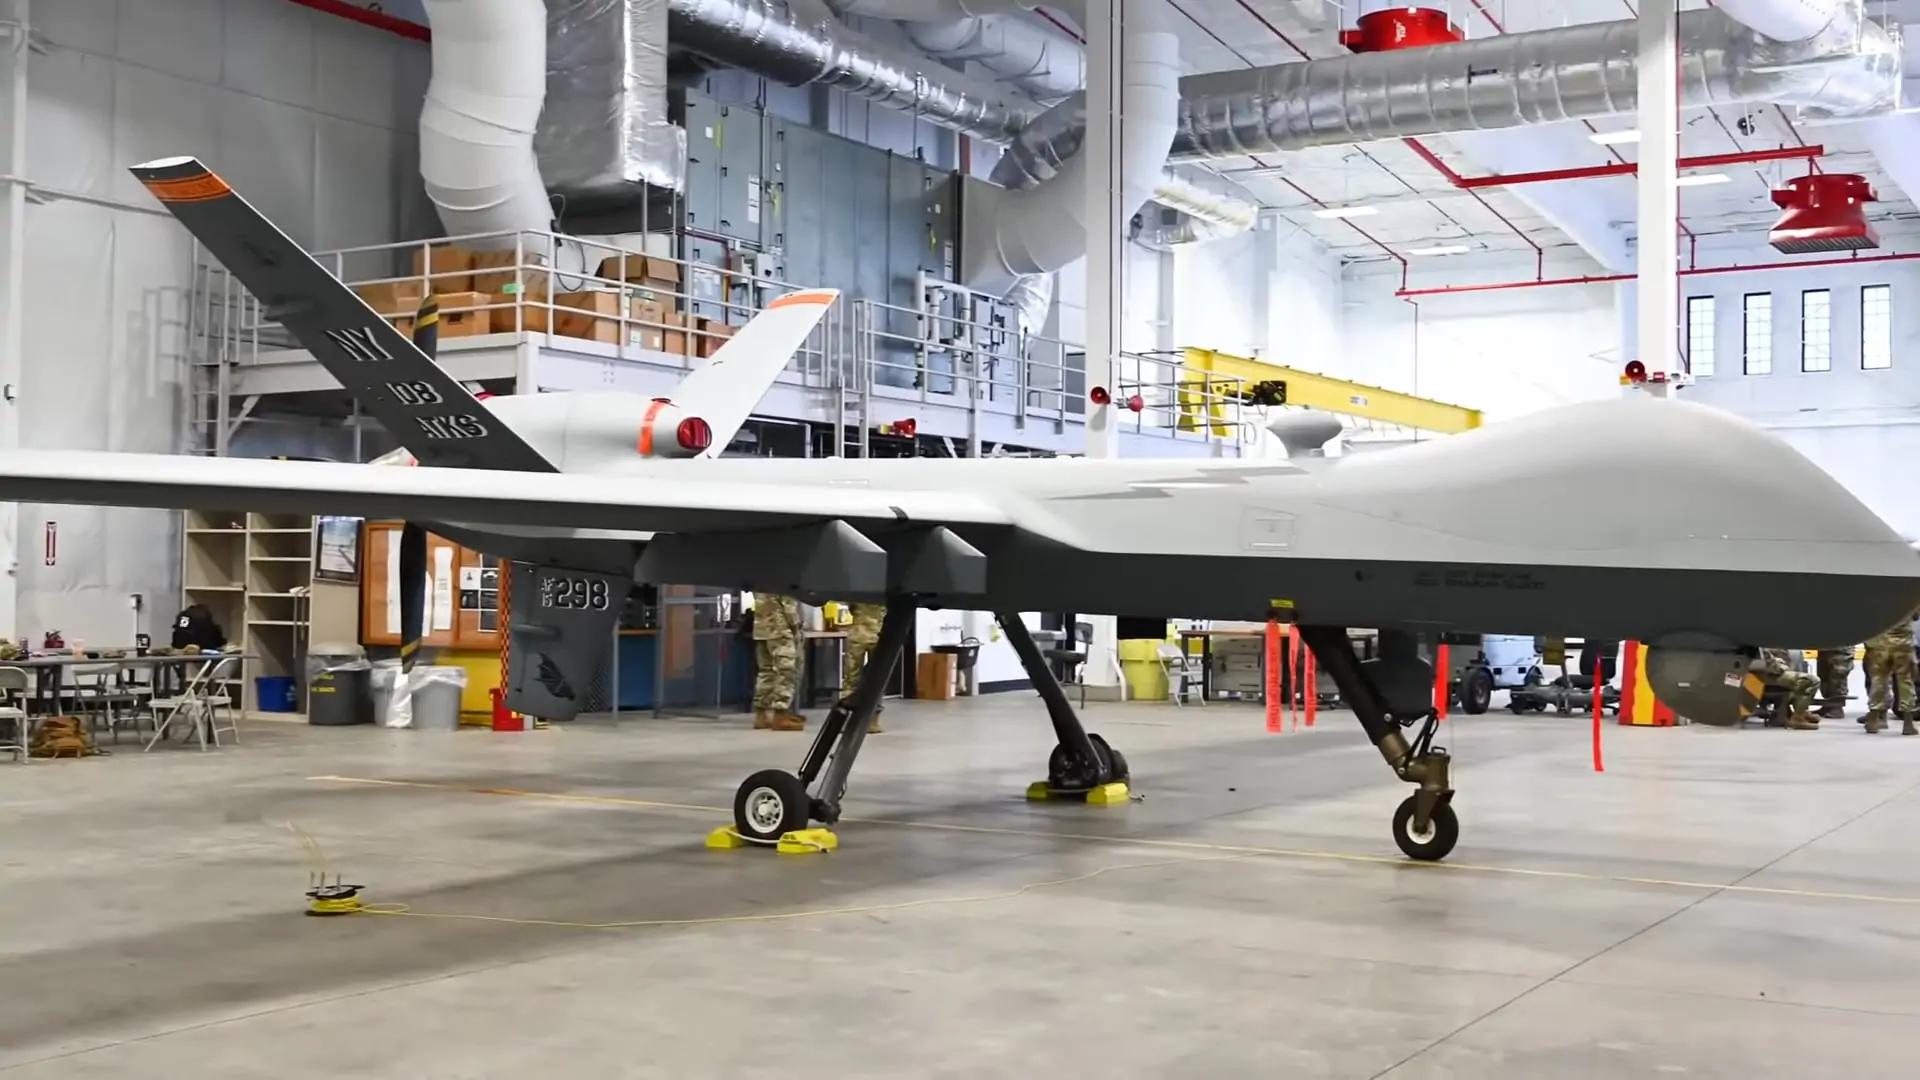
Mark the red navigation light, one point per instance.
(1636, 371)
(694, 434)
(1136, 403)
(1099, 396)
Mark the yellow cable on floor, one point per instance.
(353, 905)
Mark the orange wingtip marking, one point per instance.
(190, 188)
(811, 296)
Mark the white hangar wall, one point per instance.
(312, 117)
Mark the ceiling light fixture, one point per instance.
(1440, 249)
(1702, 179)
(1614, 138)
(1339, 212)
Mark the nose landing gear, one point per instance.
(1424, 825)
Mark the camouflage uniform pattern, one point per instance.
(1890, 673)
(1833, 667)
(862, 636)
(776, 651)
(1776, 666)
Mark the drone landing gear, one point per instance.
(774, 806)
(1424, 825)
(1082, 765)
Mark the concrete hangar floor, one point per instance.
(1716, 904)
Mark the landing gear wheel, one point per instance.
(1116, 761)
(1476, 690)
(1443, 831)
(770, 804)
(1067, 772)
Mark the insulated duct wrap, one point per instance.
(771, 39)
(605, 132)
(477, 125)
(1851, 68)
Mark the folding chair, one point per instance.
(15, 684)
(1184, 672)
(200, 702)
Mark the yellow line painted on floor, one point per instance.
(1175, 845)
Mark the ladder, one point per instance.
(223, 329)
(850, 369)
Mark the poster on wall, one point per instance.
(336, 550)
(443, 588)
(393, 582)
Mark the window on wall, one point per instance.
(1756, 334)
(1816, 330)
(1699, 336)
(1876, 326)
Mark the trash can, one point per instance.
(338, 695)
(964, 654)
(436, 697)
(275, 693)
(380, 685)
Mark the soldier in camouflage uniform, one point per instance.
(1890, 677)
(1833, 667)
(1796, 711)
(776, 654)
(862, 636)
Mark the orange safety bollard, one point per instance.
(1273, 676)
(1442, 688)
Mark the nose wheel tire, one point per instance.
(770, 804)
(1442, 832)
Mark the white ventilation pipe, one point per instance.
(1784, 20)
(1041, 229)
(936, 10)
(483, 102)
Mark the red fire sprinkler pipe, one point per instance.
(1601, 279)
(379, 20)
(1630, 168)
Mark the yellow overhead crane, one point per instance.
(1212, 377)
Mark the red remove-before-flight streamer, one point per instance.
(1599, 706)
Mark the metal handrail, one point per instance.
(857, 348)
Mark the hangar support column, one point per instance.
(1658, 243)
(1105, 275)
(13, 255)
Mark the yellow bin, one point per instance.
(1140, 666)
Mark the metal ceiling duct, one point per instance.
(769, 38)
(1851, 68)
(605, 131)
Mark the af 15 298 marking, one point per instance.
(573, 593)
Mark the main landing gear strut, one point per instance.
(1082, 765)
(773, 803)
(1424, 825)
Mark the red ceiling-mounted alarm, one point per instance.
(1406, 27)
(1823, 212)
